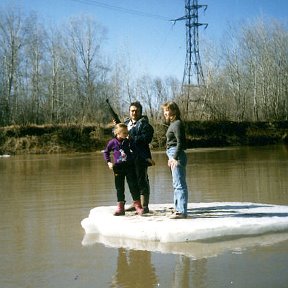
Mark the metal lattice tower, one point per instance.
(193, 61)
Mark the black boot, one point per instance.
(145, 203)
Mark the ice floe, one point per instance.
(206, 222)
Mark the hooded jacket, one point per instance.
(141, 135)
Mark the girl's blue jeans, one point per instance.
(179, 181)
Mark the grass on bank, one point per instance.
(44, 139)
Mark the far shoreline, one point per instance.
(73, 138)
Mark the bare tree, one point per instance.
(265, 47)
(252, 82)
(11, 24)
(35, 62)
(59, 81)
(83, 46)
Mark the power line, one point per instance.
(122, 9)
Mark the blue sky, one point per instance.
(140, 30)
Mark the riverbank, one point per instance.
(46, 139)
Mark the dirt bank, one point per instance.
(45, 139)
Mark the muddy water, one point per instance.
(44, 198)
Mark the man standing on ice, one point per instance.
(140, 135)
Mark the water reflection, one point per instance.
(195, 250)
(189, 273)
(182, 272)
(134, 269)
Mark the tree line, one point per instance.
(61, 76)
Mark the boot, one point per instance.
(138, 207)
(120, 209)
(131, 208)
(145, 202)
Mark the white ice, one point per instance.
(213, 222)
(5, 155)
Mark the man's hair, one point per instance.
(138, 105)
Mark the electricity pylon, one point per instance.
(193, 61)
(193, 76)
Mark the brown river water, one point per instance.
(45, 197)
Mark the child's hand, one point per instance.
(110, 165)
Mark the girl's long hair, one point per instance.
(174, 109)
